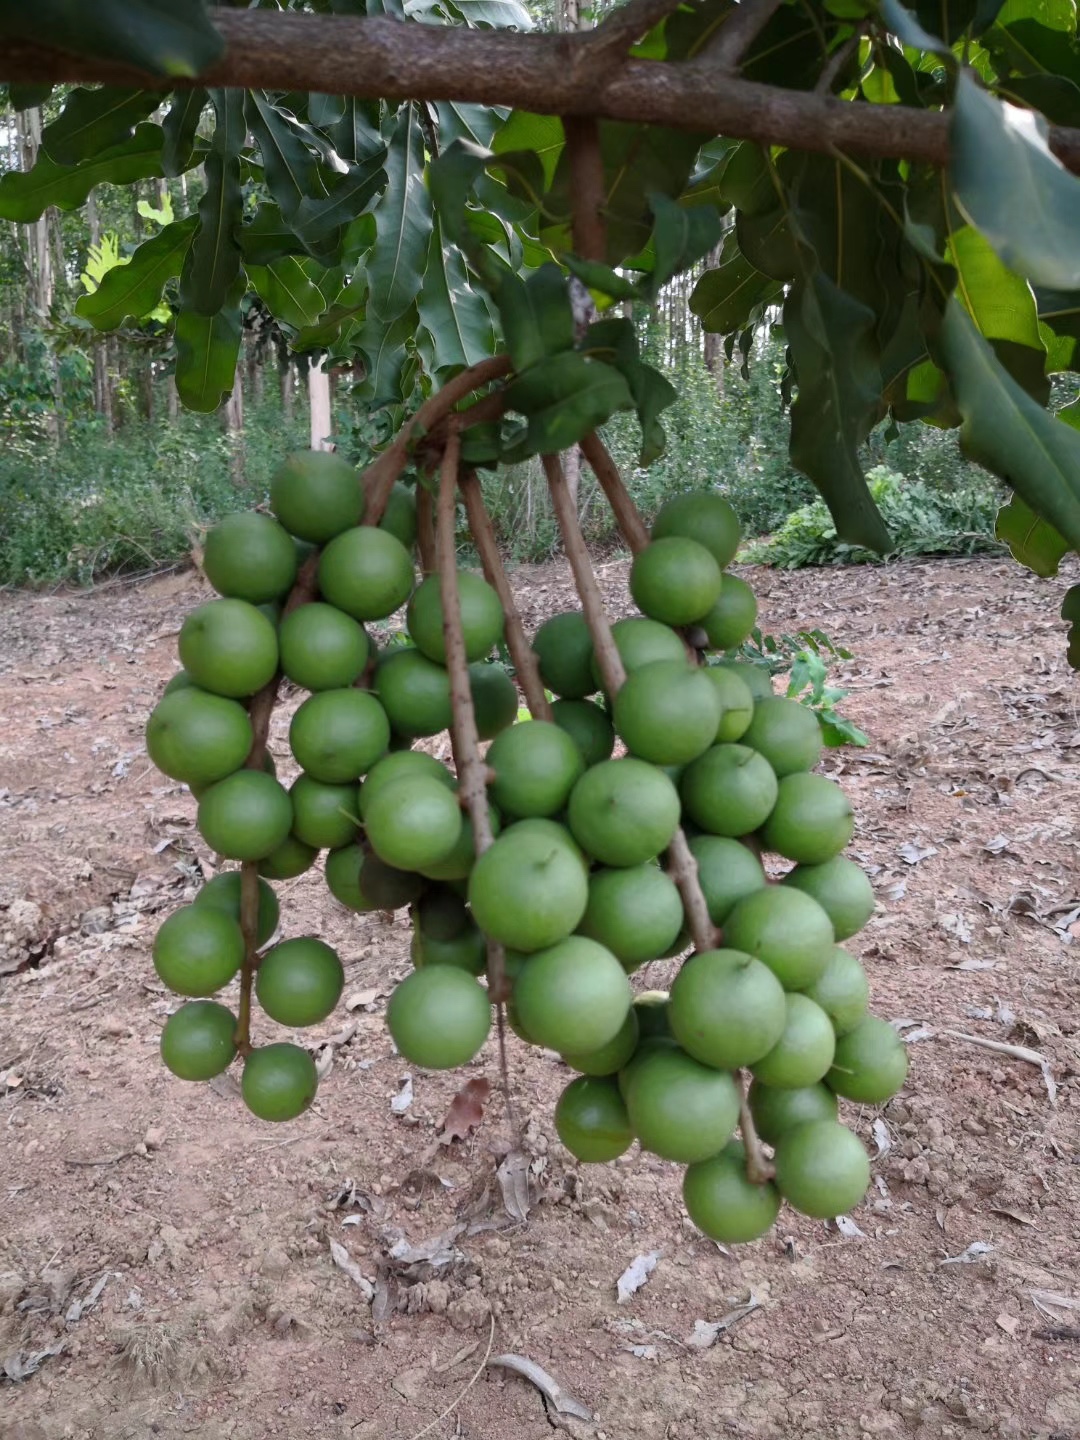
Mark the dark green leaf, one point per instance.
(326, 111)
(95, 120)
(319, 217)
(291, 170)
(267, 237)
(402, 222)
(542, 134)
(157, 35)
(461, 121)
(454, 315)
(615, 342)
(680, 238)
(214, 261)
(725, 298)
(1052, 95)
(1005, 430)
(206, 351)
(1012, 188)
(905, 25)
(295, 290)
(356, 135)
(386, 350)
(180, 127)
(1070, 611)
(343, 319)
(28, 97)
(563, 398)
(25, 196)
(1032, 541)
(135, 288)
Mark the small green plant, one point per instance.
(806, 658)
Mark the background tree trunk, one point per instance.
(234, 427)
(319, 398)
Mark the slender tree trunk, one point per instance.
(172, 400)
(42, 275)
(234, 425)
(102, 397)
(287, 390)
(319, 398)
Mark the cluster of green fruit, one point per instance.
(572, 886)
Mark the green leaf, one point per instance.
(1012, 188)
(602, 278)
(1003, 308)
(1032, 541)
(162, 36)
(1008, 432)
(95, 120)
(615, 342)
(206, 350)
(454, 315)
(343, 319)
(542, 134)
(29, 96)
(1070, 611)
(563, 398)
(26, 196)
(293, 288)
(906, 27)
(386, 350)
(680, 238)
(213, 263)
(402, 222)
(180, 127)
(267, 237)
(356, 135)
(135, 288)
(831, 336)
(289, 166)
(319, 217)
(724, 299)
(461, 121)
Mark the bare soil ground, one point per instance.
(165, 1259)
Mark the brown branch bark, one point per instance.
(425, 530)
(517, 642)
(587, 188)
(631, 526)
(758, 1167)
(381, 58)
(738, 32)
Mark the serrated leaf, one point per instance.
(1032, 541)
(293, 289)
(356, 135)
(1008, 432)
(214, 261)
(206, 350)
(403, 222)
(95, 120)
(290, 168)
(1012, 187)
(454, 315)
(385, 348)
(135, 288)
(318, 218)
(492, 14)
(341, 320)
(725, 298)
(267, 237)
(180, 127)
(26, 196)
(563, 398)
(156, 35)
(461, 121)
(615, 342)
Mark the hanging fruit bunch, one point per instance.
(541, 874)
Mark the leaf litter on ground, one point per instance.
(635, 1275)
(554, 1395)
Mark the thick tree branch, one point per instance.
(390, 59)
(618, 31)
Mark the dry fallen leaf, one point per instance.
(404, 1098)
(707, 1332)
(635, 1275)
(466, 1110)
(344, 1261)
(513, 1178)
(553, 1393)
(1009, 1323)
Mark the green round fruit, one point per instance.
(727, 870)
(640, 641)
(529, 890)
(588, 726)
(279, 1081)
(651, 1009)
(250, 557)
(726, 1009)
(785, 930)
(197, 950)
(343, 870)
(223, 893)
(536, 765)
(591, 1120)
(736, 702)
(287, 860)
(439, 1017)
(441, 914)
(413, 821)
(197, 737)
(613, 1056)
(811, 821)
(756, 678)
(732, 617)
(623, 812)
(228, 648)
(804, 1051)
(636, 913)
(338, 734)
(564, 650)
(299, 982)
(775, 1111)
(821, 1169)
(459, 861)
(841, 888)
(324, 816)
(667, 712)
(246, 816)
(680, 1109)
(494, 697)
(786, 733)
(841, 991)
(482, 618)
(322, 648)
(730, 790)
(724, 1203)
(415, 693)
(197, 1041)
(573, 997)
(397, 765)
(704, 516)
(467, 951)
(388, 887)
(180, 681)
(399, 517)
(871, 1063)
(553, 832)
(316, 495)
(675, 581)
(366, 572)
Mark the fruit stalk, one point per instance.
(758, 1167)
(425, 530)
(521, 652)
(631, 526)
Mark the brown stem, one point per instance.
(425, 530)
(742, 27)
(839, 58)
(682, 867)
(379, 477)
(758, 1167)
(517, 642)
(631, 526)
(587, 186)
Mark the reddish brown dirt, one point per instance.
(222, 1314)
